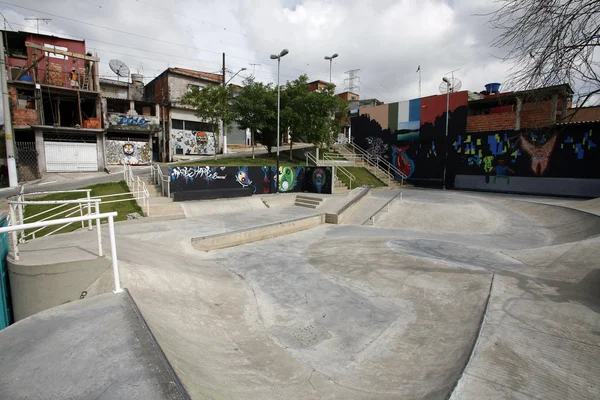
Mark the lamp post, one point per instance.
(278, 58)
(234, 75)
(447, 117)
(330, 58)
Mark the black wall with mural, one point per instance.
(421, 160)
(261, 180)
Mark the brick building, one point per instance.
(54, 103)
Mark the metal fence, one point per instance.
(27, 164)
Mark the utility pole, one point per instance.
(223, 122)
(13, 180)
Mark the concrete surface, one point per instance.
(398, 310)
(96, 348)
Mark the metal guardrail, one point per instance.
(357, 153)
(158, 178)
(330, 162)
(97, 216)
(138, 188)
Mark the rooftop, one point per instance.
(198, 74)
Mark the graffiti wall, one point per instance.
(262, 180)
(416, 143)
(132, 152)
(184, 142)
(133, 120)
(565, 151)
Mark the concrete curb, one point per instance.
(338, 218)
(156, 345)
(242, 236)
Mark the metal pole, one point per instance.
(14, 233)
(223, 122)
(13, 180)
(98, 231)
(20, 211)
(113, 254)
(278, 111)
(446, 139)
(89, 203)
(330, 61)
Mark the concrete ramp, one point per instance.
(89, 349)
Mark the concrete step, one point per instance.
(160, 200)
(307, 205)
(309, 199)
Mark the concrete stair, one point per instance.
(160, 206)
(377, 172)
(308, 201)
(339, 187)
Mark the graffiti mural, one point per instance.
(132, 120)
(539, 153)
(184, 142)
(402, 161)
(260, 179)
(133, 152)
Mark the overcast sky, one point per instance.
(386, 39)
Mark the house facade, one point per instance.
(55, 105)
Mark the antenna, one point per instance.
(37, 21)
(119, 68)
(352, 81)
(451, 84)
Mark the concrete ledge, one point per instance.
(345, 211)
(242, 236)
(35, 288)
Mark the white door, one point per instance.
(71, 157)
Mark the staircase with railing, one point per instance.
(378, 166)
(337, 167)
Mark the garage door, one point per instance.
(71, 157)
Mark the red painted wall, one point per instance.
(58, 69)
(435, 106)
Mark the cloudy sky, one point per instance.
(386, 39)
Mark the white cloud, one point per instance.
(385, 39)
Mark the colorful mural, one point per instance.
(133, 152)
(260, 179)
(184, 142)
(132, 120)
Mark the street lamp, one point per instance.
(234, 75)
(278, 58)
(330, 61)
(447, 117)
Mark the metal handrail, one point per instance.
(158, 178)
(377, 163)
(137, 186)
(320, 163)
(97, 216)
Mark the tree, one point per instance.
(551, 42)
(253, 109)
(213, 104)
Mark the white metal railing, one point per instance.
(13, 229)
(138, 188)
(158, 178)
(357, 154)
(330, 162)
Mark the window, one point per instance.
(54, 55)
(191, 88)
(177, 123)
(197, 126)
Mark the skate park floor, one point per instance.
(427, 295)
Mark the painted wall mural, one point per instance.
(260, 179)
(132, 120)
(559, 152)
(132, 152)
(184, 142)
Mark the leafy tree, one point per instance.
(212, 104)
(255, 108)
(551, 42)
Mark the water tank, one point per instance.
(492, 88)
(26, 78)
(137, 87)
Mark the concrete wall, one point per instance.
(35, 288)
(178, 87)
(377, 113)
(525, 185)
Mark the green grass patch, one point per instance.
(259, 161)
(363, 177)
(103, 189)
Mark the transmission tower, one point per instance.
(352, 81)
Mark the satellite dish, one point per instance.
(453, 85)
(119, 68)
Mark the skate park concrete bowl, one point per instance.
(441, 295)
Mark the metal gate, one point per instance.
(71, 157)
(26, 157)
